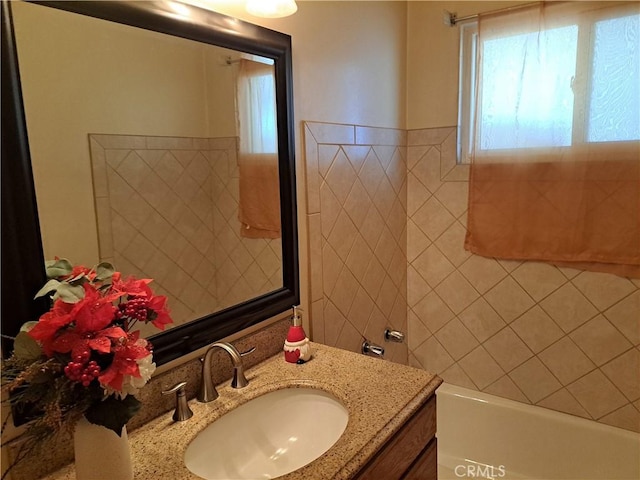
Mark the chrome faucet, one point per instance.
(372, 349)
(208, 391)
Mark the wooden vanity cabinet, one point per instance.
(411, 454)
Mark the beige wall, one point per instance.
(554, 337)
(557, 338)
(356, 215)
(349, 67)
(432, 71)
(349, 62)
(59, 85)
(349, 59)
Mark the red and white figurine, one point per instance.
(296, 346)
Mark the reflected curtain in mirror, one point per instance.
(555, 172)
(259, 204)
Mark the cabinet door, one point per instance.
(395, 458)
(426, 466)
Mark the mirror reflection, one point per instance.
(155, 153)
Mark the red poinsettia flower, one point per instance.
(95, 311)
(159, 305)
(132, 286)
(153, 307)
(89, 315)
(50, 323)
(127, 352)
(78, 344)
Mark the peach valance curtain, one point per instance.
(259, 206)
(555, 172)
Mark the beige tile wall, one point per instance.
(555, 337)
(167, 209)
(356, 213)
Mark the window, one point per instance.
(587, 91)
(257, 107)
(258, 167)
(554, 136)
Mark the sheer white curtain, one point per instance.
(555, 172)
(259, 186)
(257, 107)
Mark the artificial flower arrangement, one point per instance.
(83, 357)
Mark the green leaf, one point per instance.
(58, 268)
(50, 286)
(104, 271)
(78, 279)
(69, 293)
(113, 413)
(25, 347)
(28, 326)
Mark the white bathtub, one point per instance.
(484, 436)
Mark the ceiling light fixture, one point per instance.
(271, 8)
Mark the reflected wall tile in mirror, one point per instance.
(167, 210)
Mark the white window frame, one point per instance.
(466, 89)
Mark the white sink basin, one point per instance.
(268, 436)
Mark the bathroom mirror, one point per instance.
(173, 28)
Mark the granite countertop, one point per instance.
(379, 395)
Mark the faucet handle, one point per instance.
(393, 336)
(239, 380)
(248, 352)
(182, 412)
(372, 349)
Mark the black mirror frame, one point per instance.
(22, 254)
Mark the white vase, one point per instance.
(100, 454)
